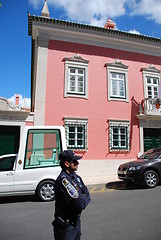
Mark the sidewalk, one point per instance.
(100, 180)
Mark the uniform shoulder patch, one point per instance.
(70, 188)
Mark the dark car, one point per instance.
(145, 170)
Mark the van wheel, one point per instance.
(151, 179)
(45, 191)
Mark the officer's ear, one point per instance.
(66, 163)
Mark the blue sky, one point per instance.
(138, 16)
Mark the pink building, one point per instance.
(102, 85)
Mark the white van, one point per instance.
(36, 166)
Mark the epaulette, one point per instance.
(70, 188)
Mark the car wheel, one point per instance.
(45, 191)
(151, 179)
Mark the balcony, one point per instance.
(151, 107)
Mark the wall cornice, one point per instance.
(95, 36)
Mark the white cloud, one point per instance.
(87, 11)
(93, 12)
(36, 3)
(23, 102)
(97, 12)
(151, 9)
(134, 31)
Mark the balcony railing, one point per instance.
(152, 106)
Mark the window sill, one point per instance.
(119, 150)
(76, 96)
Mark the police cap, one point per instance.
(68, 155)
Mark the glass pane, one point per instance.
(7, 163)
(121, 76)
(123, 143)
(115, 143)
(121, 89)
(80, 84)
(155, 92)
(72, 83)
(122, 130)
(71, 135)
(115, 130)
(149, 92)
(148, 80)
(43, 148)
(72, 70)
(71, 129)
(114, 87)
(80, 71)
(79, 143)
(71, 142)
(155, 81)
(113, 75)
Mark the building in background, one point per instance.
(13, 118)
(102, 85)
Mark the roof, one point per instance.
(91, 28)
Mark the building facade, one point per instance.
(102, 85)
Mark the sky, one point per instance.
(137, 16)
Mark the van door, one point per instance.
(7, 173)
(40, 159)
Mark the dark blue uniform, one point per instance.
(71, 197)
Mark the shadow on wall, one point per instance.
(134, 119)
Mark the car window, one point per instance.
(159, 156)
(7, 163)
(150, 155)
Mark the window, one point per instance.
(76, 77)
(118, 85)
(151, 77)
(76, 133)
(43, 148)
(7, 163)
(117, 81)
(119, 135)
(152, 84)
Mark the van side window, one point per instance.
(43, 148)
(7, 163)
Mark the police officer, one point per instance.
(71, 197)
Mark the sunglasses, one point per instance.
(75, 162)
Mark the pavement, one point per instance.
(112, 186)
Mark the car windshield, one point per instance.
(150, 155)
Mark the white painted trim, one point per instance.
(100, 39)
(14, 123)
(40, 85)
(141, 141)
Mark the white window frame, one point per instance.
(77, 63)
(119, 124)
(76, 123)
(151, 72)
(118, 68)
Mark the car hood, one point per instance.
(137, 162)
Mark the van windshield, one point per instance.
(43, 148)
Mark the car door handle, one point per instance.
(9, 174)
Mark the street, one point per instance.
(117, 212)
